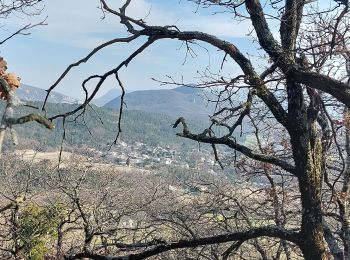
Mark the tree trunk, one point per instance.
(312, 235)
(307, 154)
(309, 172)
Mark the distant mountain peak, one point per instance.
(29, 93)
(191, 89)
(181, 101)
(104, 99)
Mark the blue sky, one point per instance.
(75, 27)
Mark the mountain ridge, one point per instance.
(182, 101)
(29, 93)
(185, 102)
(104, 99)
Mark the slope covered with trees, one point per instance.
(97, 129)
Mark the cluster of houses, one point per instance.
(145, 156)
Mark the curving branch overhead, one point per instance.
(293, 101)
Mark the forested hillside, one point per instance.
(98, 128)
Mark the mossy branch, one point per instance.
(31, 117)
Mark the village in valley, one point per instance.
(140, 155)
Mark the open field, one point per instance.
(53, 157)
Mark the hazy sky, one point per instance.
(75, 27)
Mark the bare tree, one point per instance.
(104, 210)
(302, 99)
